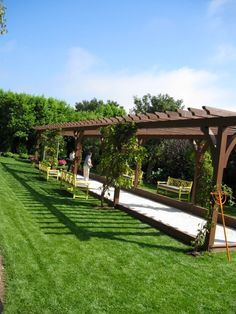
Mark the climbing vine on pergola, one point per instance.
(120, 150)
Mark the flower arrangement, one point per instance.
(61, 162)
(33, 158)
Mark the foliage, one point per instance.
(168, 158)
(229, 172)
(173, 159)
(120, 149)
(204, 229)
(100, 109)
(156, 147)
(8, 154)
(86, 105)
(158, 103)
(3, 29)
(95, 109)
(51, 141)
(20, 112)
(24, 156)
(229, 193)
(92, 144)
(205, 184)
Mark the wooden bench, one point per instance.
(179, 186)
(73, 184)
(43, 167)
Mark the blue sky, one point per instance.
(115, 49)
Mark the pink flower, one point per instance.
(33, 158)
(61, 162)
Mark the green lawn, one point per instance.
(69, 256)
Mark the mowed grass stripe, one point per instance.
(69, 256)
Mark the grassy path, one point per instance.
(69, 256)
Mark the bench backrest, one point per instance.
(68, 177)
(63, 175)
(179, 182)
(132, 175)
(44, 167)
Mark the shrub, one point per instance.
(8, 154)
(205, 183)
(24, 156)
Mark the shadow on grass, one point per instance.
(53, 199)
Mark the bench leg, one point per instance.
(87, 193)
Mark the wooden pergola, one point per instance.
(205, 128)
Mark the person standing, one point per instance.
(71, 160)
(87, 165)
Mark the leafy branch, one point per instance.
(120, 150)
(204, 229)
(3, 29)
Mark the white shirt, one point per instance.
(72, 156)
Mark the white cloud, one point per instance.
(83, 80)
(225, 53)
(216, 5)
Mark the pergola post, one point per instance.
(218, 146)
(219, 155)
(78, 150)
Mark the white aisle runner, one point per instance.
(165, 214)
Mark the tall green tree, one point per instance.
(3, 28)
(95, 109)
(175, 159)
(87, 105)
(155, 149)
(161, 103)
(101, 109)
(20, 112)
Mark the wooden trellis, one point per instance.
(206, 127)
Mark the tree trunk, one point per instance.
(116, 196)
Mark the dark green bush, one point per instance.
(8, 154)
(24, 156)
